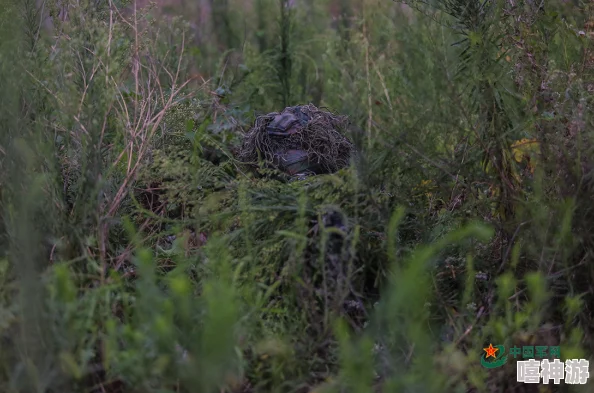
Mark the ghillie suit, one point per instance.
(330, 280)
(302, 141)
(299, 140)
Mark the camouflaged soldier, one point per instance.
(300, 141)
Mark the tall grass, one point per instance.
(138, 255)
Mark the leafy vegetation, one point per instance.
(138, 254)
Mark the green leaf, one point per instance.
(475, 38)
(190, 125)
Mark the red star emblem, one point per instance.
(491, 351)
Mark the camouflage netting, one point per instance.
(299, 140)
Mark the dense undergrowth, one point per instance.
(139, 255)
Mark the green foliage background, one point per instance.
(138, 255)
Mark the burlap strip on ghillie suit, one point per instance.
(299, 140)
